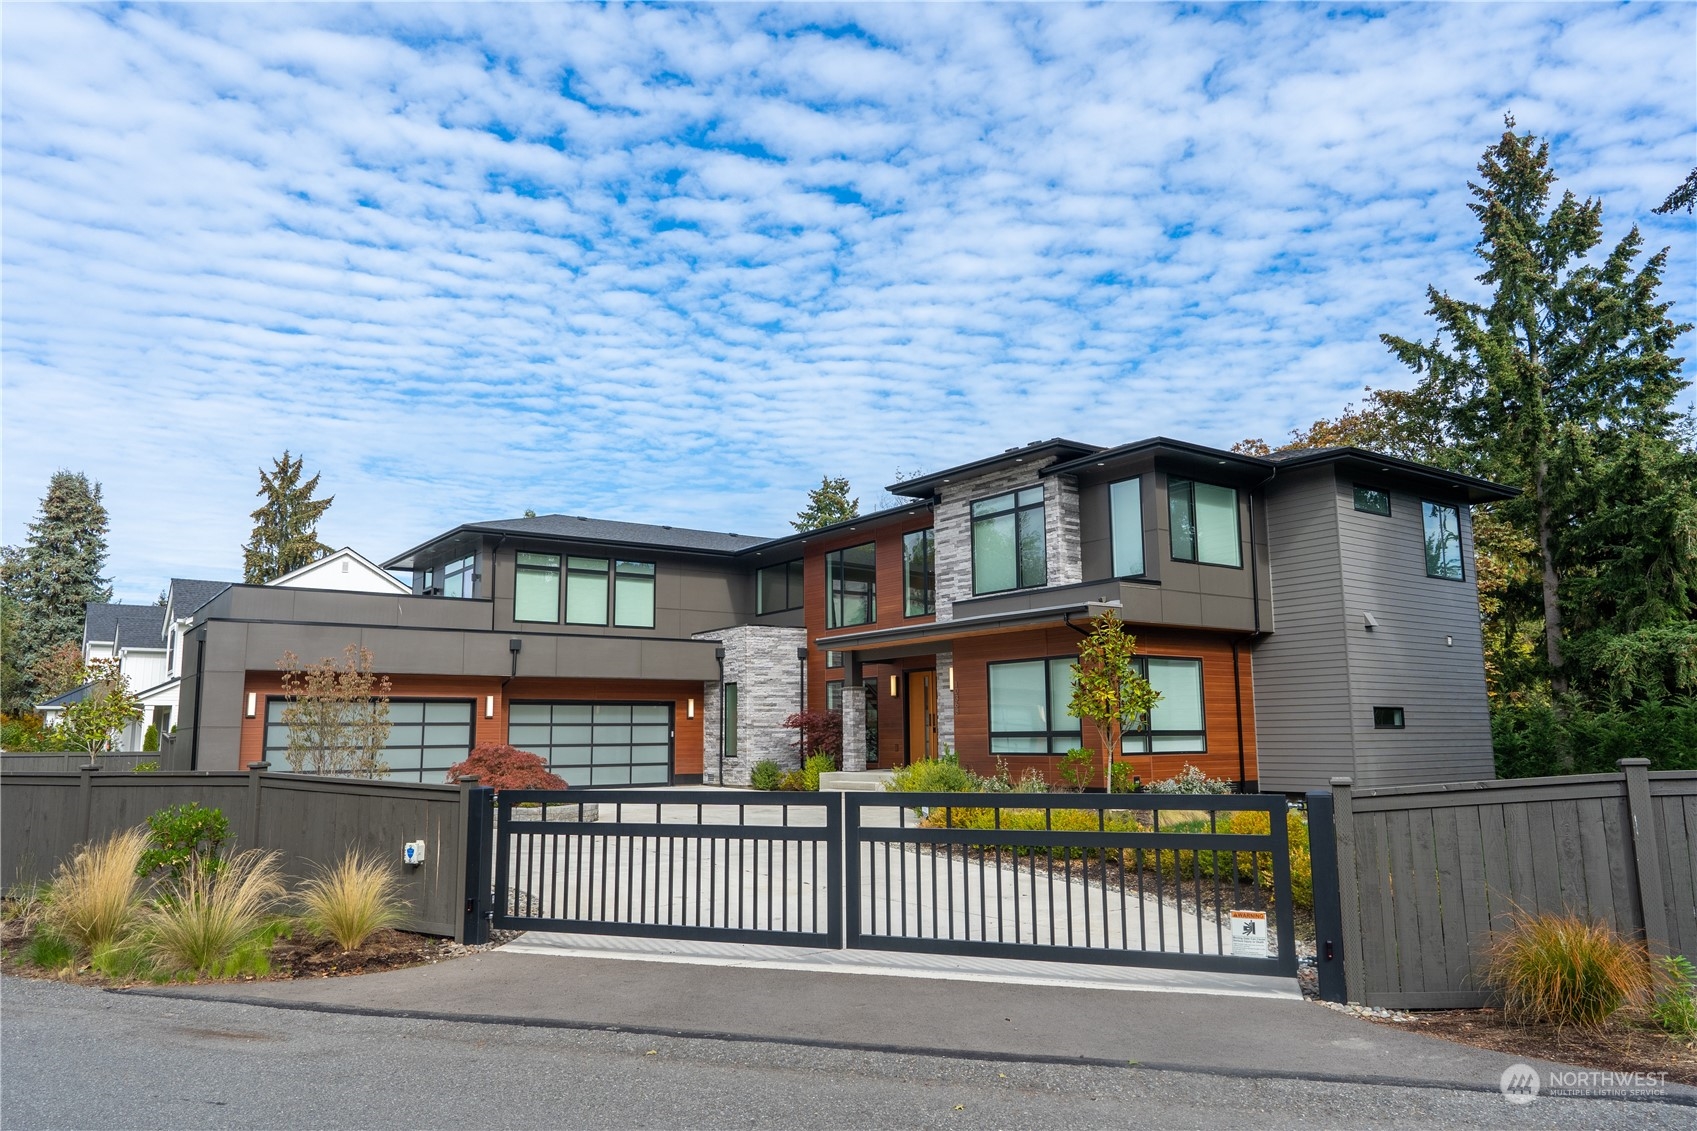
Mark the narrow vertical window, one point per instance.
(1125, 521)
(536, 588)
(730, 722)
(919, 574)
(1443, 540)
(851, 592)
(633, 594)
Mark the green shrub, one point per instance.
(820, 763)
(1121, 779)
(1675, 1005)
(794, 781)
(1562, 970)
(150, 740)
(1033, 820)
(49, 950)
(934, 775)
(1077, 769)
(766, 774)
(353, 900)
(148, 767)
(1192, 780)
(96, 895)
(1539, 741)
(181, 833)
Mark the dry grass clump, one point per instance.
(1563, 970)
(353, 900)
(200, 920)
(95, 898)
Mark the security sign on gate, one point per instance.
(1249, 934)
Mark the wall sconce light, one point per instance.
(488, 706)
(951, 679)
(895, 687)
(692, 708)
(252, 704)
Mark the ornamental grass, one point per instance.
(203, 918)
(1563, 970)
(96, 896)
(353, 900)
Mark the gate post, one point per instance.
(1329, 959)
(842, 871)
(476, 808)
(1349, 896)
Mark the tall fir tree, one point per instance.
(285, 526)
(827, 503)
(51, 579)
(1561, 383)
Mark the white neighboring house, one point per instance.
(147, 640)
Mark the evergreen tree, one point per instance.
(1561, 383)
(54, 576)
(285, 527)
(827, 503)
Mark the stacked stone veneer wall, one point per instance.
(953, 526)
(761, 661)
(945, 702)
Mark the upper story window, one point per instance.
(1007, 542)
(851, 586)
(455, 579)
(919, 573)
(1443, 539)
(777, 588)
(1204, 523)
(1371, 500)
(1125, 524)
(595, 587)
(536, 588)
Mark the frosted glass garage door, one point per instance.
(597, 743)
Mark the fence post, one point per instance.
(1329, 958)
(86, 788)
(476, 809)
(255, 791)
(842, 856)
(1648, 870)
(1349, 896)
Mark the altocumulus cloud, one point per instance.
(672, 264)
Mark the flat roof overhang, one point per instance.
(914, 639)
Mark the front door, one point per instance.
(921, 716)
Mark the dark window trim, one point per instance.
(1142, 529)
(1143, 736)
(1460, 542)
(840, 685)
(1048, 736)
(653, 579)
(559, 572)
(611, 612)
(1397, 713)
(1041, 507)
(1356, 487)
(730, 720)
(795, 596)
(1148, 735)
(671, 706)
(1172, 552)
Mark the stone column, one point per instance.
(854, 715)
(945, 702)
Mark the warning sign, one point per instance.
(1249, 934)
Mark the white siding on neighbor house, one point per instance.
(344, 572)
(1302, 688)
(144, 669)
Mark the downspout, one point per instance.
(199, 685)
(1255, 606)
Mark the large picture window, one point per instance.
(1007, 542)
(595, 586)
(536, 588)
(1125, 522)
(777, 589)
(426, 736)
(1028, 707)
(1176, 724)
(1443, 540)
(851, 589)
(1204, 523)
(919, 574)
(633, 594)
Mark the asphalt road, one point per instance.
(79, 1058)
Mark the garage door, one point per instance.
(592, 744)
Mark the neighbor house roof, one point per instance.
(188, 594)
(136, 625)
(602, 531)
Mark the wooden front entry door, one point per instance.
(921, 716)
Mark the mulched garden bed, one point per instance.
(1619, 1046)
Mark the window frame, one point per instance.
(571, 770)
(464, 570)
(835, 589)
(1195, 531)
(266, 725)
(1136, 740)
(1395, 718)
(1114, 531)
(1147, 735)
(604, 573)
(834, 689)
(1051, 736)
(521, 567)
(648, 572)
(728, 719)
(1358, 488)
(927, 606)
(1426, 506)
(794, 595)
(1020, 512)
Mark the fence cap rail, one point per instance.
(1130, 802)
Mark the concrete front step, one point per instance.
(867, 781)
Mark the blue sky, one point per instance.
(673, 264)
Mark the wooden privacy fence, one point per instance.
(1428, 873)
(308, 820)
(13, 762)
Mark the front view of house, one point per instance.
(1304, 615)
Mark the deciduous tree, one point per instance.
(1107, 687)
(285, 526)
(93, 722)
(337, 715)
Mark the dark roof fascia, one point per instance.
(1159, 446)
(66, 698)
(925, 485)
(876, 518)
(395, 562)
(565, 540)
(1478, 490)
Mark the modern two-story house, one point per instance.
(1304, 615)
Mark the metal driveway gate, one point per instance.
(725, 865)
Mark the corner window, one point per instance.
(633, 594)
(536, 588)
(459, 578)
(1007, 542)
(586, 590)
(1125, 524)
(1028, 707)
(919, 574)
(1204, 523)
(729, 738)
(1371, 500)
(1176, 724)
(833, 695)
(1387, 718)
(851, 590)
(777, 589)
(1443, 540)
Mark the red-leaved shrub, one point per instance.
(819, 732)
(500, 766)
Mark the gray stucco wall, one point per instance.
(761, 660)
